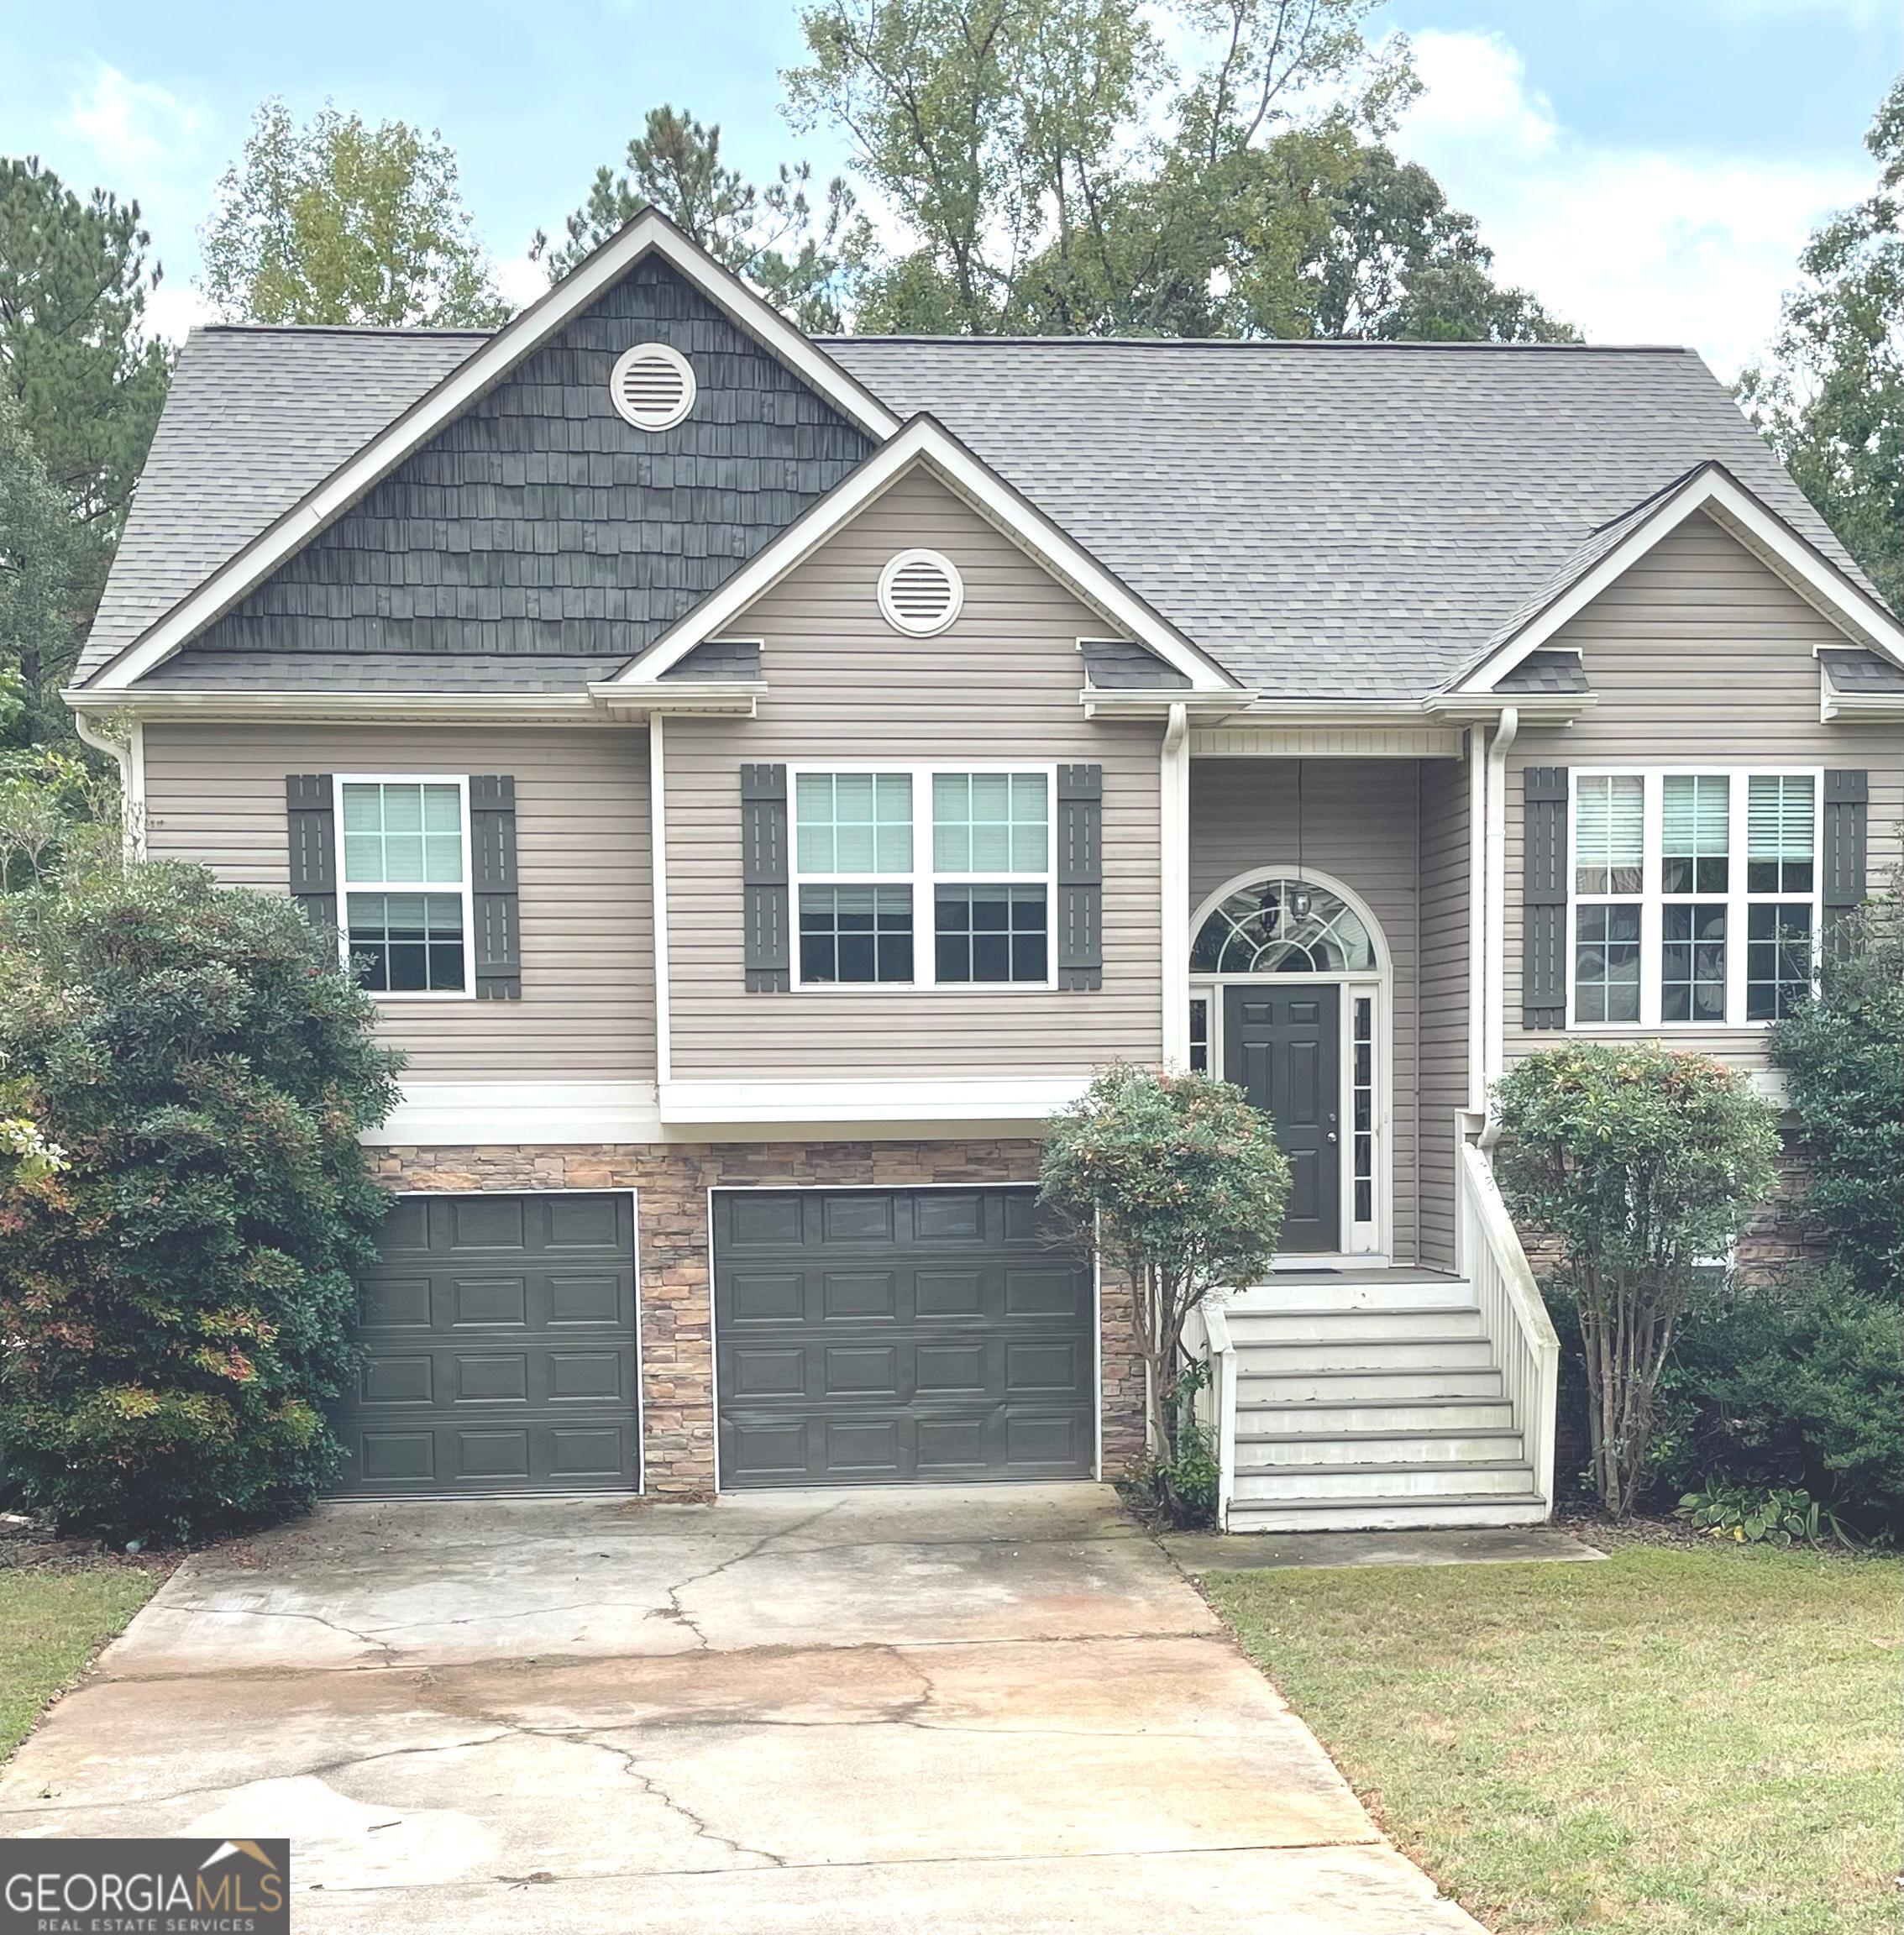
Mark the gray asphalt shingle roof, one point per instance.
(1358, 519)
(1854, 669)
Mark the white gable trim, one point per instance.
(924, 442)
(649, 233)
(1762, 530)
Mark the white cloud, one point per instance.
(1629, 245)
(521, 281)
(135, 128)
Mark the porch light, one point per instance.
(1299, 901)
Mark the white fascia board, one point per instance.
(1124, 703)
(649, 233)
(741, 696)
(951, 1099)
(463, 1115)
(343, 708)
(924, 440)
(1761, 529)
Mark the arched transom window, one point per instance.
(1265, 929)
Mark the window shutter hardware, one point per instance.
(1544, 899)
(765, 947)
(494, 887)
(310, 821)
(1080, 880)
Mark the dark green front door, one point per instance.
(1282, 1044)
(885, 1336)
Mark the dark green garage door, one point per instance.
(499, 1334)
(878, 1336)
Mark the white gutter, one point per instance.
(1173, 799)
(1496, 1018)
(130, 753)
(341, 708)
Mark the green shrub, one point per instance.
(1798, 1382)
(1842, 1056)
(174, 1299)
(1177, 1182)
(1637, 1162)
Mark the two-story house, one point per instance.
(760, 779)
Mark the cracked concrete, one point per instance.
(997, 1709)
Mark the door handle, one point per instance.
(1331, 1135)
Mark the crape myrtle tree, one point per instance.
(1640, 1164)
(176, 1289)
(1177, 1182)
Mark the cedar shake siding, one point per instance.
(1002, 683)
(216, 795)
(1360, 825)
(541, 521)
(1700, 653)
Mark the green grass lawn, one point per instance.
(52, 1621)
(1685, 1739)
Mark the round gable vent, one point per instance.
(652, 386)
(921, 592)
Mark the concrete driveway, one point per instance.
(996, 1709)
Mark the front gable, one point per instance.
(540, 521)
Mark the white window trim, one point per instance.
(921, 879)
(460, 781)
(1737, 899)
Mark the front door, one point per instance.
(1282, 1046)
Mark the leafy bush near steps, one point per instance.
(1798, 1383)
(174, 1297)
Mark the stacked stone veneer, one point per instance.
(671, 1182)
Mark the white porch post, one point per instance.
(1173, 783)
(1495, 1036)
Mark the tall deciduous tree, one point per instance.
(1060, 174)
(795, 244)
(1831, 401)
(340, 222)
(75, 275)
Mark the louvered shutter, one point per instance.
(1544, 899)
(493, 884)
(1847, 805)
(764, 943)
(311, 822)
(1080, 876)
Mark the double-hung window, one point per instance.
(923, 876)
(404, 883)
(1694, 896)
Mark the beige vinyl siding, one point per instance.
(1701, 652)
(215, 795)
(1444, 1084)
(1358, 824)
(1002, 683)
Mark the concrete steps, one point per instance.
(1372, 1401)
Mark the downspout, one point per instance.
(1496, 1019)
(130, 754)
(657, 871)
(1173, 797)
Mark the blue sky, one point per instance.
(1651, 167)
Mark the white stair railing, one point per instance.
(1525, 1346)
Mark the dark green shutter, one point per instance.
(493, 885)
(764, 946)
(1847, 805)
(310, 819)
(1080, 876)
(1544, 899)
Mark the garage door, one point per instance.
(499, 1340)
(875, 1337)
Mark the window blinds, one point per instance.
(1610, 823)
(1780, 817)
(1696, 817)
